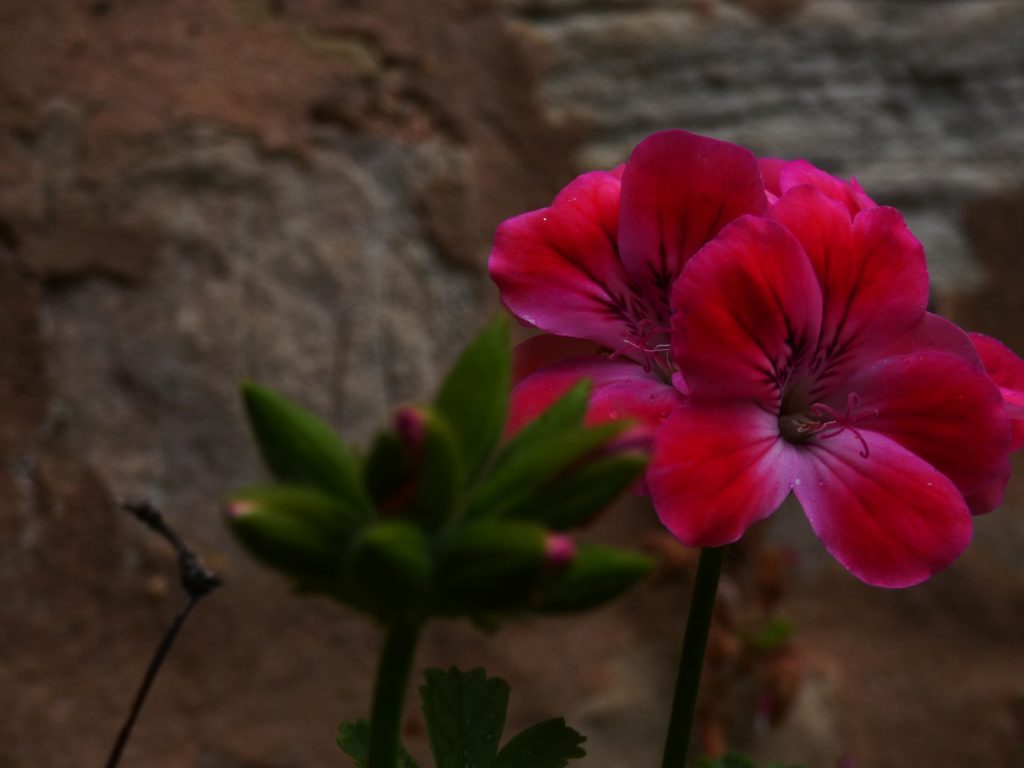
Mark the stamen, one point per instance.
(831, 423)
(641, 340)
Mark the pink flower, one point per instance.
(599, 264)
(813, 368)
(765, 324)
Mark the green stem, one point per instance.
(389, 695)
(695, 641)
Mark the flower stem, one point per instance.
(389, 695)
(695, 641)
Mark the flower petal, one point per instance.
(745, 311)
(770, 169)
(936, 334)
(678, 191)
(872, 272)
(891, 519)
(945, 411)
(620, 389)
(717, 469)
(558, 268)
(1007, 371)
(545, 349)
(848, 193)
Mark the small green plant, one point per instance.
(444, 515)
(465, 717)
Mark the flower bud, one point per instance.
(389, 568)
(296, 530)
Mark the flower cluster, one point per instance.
(765, 324)
(440, 517)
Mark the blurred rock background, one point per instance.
(302, 192)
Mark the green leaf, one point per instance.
(541, 452)
(465, 714)
(354, 740)
(597, 574)
(474, 396)
(580, 495)
(550, 744)
(389, 568)
(491, 564)
(300, 449)
(566, 412)
(296, 530)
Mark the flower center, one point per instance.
(821, 421)
(652, 342)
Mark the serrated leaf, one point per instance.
(542, 451)
(300, 449)
(389, 568)
(583, 492)
(734, 760)
(474, 395)
(465, 714)
(491, 564)
(726, 761)
(595, 575)
(550, 744)
(354, 740)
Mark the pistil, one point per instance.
(823, 422)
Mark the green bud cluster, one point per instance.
(441, 516)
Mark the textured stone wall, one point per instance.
(192, 193)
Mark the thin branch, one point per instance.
(197, 581)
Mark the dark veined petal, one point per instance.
(717, 469)
(620, 389)
(558, 268)
(872, 272)
(678, 191)
(891, 519)
(945, 411)
(745, 310)
(1007, 371)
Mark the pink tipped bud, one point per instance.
(239, 508)
(410, 425)
(559, 549)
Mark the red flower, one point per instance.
(765, 322)
(813, 367)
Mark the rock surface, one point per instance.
(303, 193)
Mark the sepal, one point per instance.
(300, 449)
(596, 575)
